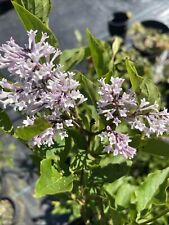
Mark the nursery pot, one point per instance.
(78, 221)
(7, 211)
(5, 5)
(151, 55)
(156, 25)
(118, 25)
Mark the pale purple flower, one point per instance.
(41, 86)
(149, 120)
(22, 61)
(13, 55)
(45, 138)
(145, 106)
(114, 103)
(117, 105)
(63, 134)
(28, 121)
(144, 103)
(117, 143)
(6, 85)
(63, 92)
(69, 123)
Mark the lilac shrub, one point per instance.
(41, 86)
(86, 130)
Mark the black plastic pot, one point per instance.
(153, 24)
(5, 6)
(118, 25)
(12, 205)
(78, 221)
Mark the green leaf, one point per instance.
(116, 46)
(99, 54)
(150, 188)
(111, 159)
(108, 77)
(120, 192)
(116, 216)
(109, 173)
(143, 87)
(135, 79)
(5, 122)
(72, 57)
(156, 146)
(113, 187)
(79, 138)
(89, 87)
(162, 196)
(91, 119)
(27, 133)
(150, 91)
(30, 21)
(60, 209)
(51, 181)
(123, 195)
(39, 8)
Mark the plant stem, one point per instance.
(100, 204)
(88, 132)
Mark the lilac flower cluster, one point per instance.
(117, 143)
(117, 105)
(149, 119)
(40, 85)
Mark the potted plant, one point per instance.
(87, 130)
(150, 38)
